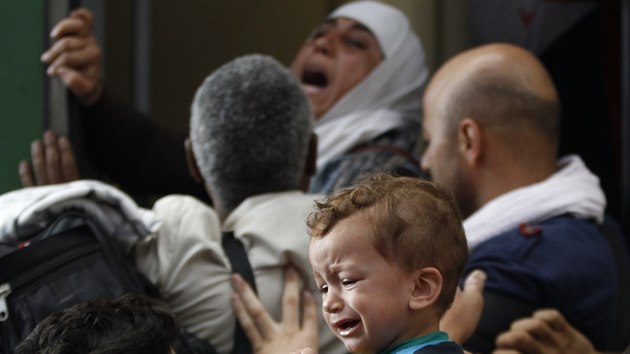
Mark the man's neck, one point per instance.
(506, 177)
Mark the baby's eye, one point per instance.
(348, 282)
(323, 289)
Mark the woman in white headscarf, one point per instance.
(363, 70)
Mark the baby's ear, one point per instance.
(427, 287)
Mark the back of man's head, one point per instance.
(250, 129)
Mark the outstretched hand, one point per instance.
(52, 162)
(546, 332)
(461, 320)
(75, 56)
(268, 336)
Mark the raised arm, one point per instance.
(123, 144)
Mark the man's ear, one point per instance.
(193, 169)
(427, 287)
(310, 167)
(470, 140)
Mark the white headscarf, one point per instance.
(389, 97)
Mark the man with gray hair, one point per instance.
(250, 129)
(252, 146)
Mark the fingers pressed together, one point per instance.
(52, 162)
(463, 316)
(75, 56)
(545, 332)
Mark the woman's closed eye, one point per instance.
(355, 43)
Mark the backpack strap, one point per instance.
(240, 264)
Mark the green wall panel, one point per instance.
(21, 84)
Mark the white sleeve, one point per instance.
(184, 258)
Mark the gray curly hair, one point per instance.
(250, 128)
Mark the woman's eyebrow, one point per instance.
(323, 25)
(327, 23)
(361, 27)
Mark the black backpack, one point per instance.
(71, 260)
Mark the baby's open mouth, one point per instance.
(346, 327)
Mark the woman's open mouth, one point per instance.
(314, 79)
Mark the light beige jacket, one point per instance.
(186, 261)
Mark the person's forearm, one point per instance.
(138, 154)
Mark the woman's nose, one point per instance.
(324, 44)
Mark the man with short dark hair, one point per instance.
(129, 324)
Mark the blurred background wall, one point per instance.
(156, 53)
